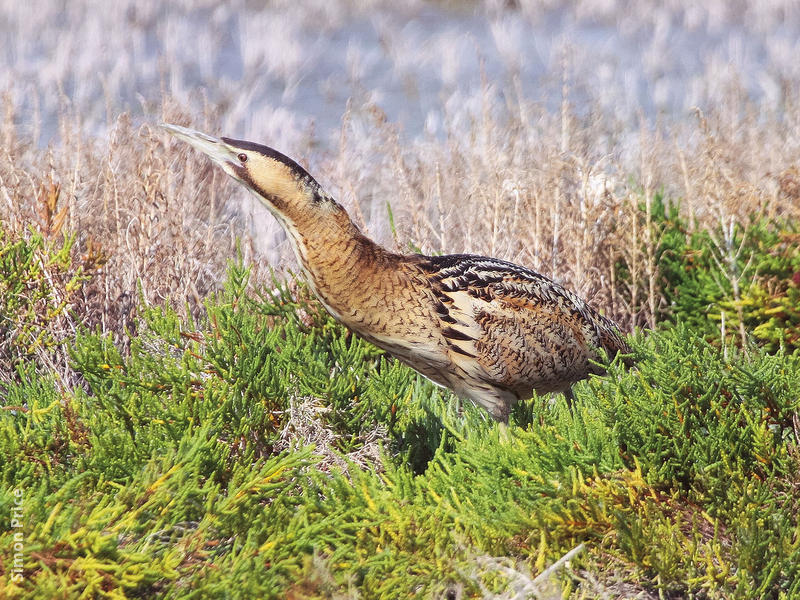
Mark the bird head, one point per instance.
(282, 185)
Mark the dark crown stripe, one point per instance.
(270, 153)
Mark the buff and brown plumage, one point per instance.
(488, 329)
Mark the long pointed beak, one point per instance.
(217, 150)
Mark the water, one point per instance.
(286, 72)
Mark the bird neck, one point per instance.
(340, 262)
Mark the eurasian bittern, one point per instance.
(488, 329)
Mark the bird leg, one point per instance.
(570, 397)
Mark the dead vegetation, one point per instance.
(558, 193)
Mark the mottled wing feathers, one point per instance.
(514, 329)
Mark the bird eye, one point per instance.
(243, 157)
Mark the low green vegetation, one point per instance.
(734, 284)
(262, 451)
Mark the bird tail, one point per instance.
(613, 343)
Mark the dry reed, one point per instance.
(553, 192)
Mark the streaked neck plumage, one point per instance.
(339, 261)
